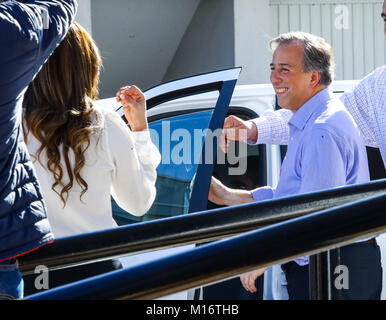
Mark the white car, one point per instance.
(184, 118)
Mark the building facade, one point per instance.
(147, 42)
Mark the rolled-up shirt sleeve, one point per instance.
(263, 193)
(272, 127)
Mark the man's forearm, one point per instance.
(238, 197)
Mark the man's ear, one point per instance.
(315, 78)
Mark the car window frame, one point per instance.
(225, 88)
(223, 81)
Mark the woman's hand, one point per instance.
(134, 107)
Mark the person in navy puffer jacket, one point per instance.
(29, 32)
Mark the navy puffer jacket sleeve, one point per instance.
(29, 33)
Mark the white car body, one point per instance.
(257, 98)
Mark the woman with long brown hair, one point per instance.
(85, 154)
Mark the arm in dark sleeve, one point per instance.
(29, 33)
(54, 18)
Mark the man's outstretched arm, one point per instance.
(272, 127)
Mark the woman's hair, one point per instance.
(58, 107)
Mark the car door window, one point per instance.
(251, 161)
(180, 139)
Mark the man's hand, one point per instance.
(134, 107)
(222, 195)
(218, 193)
(237, 129)
(248, 279)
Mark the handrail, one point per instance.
(228, 258)
(192, 228)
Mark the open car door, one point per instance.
(186, 135)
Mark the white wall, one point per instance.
(252, 34)
(138, 39)
(208, 42)
(149, 41)
(83, 15)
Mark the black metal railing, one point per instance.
(192, 228)
(210, 263)
(320, 275)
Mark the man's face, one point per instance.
(384, 15)
(292, 86)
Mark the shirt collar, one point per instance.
(301, 117)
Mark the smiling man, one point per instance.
(293, 83)
(366, 102)
(325, 150)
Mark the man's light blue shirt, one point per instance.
(324, 151)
